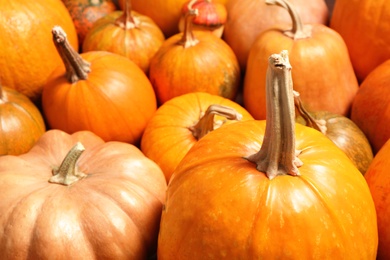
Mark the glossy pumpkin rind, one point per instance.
(113, 213)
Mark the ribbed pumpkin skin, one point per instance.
(115, 102)
(364, 26)
(167, 137)
(113, 213)
(219, 206)
(28, 56)
(138, 44)
(21, 123)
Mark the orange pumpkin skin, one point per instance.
(139, 44)
(364, 28)
(86, 12)
(209, 66)
(21, 122)
(377, 177)
(115, 102)
(113, 213)
(370, 107)
(218, 206)
(28, 54)
(167, 137)
(248, 18)
(323, 73)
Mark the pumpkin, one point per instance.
(21, 122)
(180, 122)
(99, 91)
(28, 55)
(268, 190)
(324, 75)
(365, 30)
(194, 61)
(127, 33)
(212, 16)
(78, 197)
(248, 18)
(370, 108)
(377, 177)
(341, 130)
(86, 12)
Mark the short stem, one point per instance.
(76, 67)
(309, 120)
(188, 38)
(127, 20)
(298, 31)
(277, 155)
(68, 172)
(207, 123)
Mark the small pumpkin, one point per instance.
(99, 91)
(194, 61)
(268, 190)
(126, 33)
(323, 73)
(180, 122)
(78, 197)
(21, 122)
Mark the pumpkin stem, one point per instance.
(277, 155)
(298, 31)
(68, 173)
(188, 38)
(207, 123)
(76, 67)
(319, 125)
(127, 20)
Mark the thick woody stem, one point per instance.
(127, 20)
(68, 172)
(277, 155)
(76, 67)
(189, 38)
(207, 123)
(299, 30)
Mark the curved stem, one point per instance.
(127, 20)
(188, 38)
(319, 125)
(68, 173)
(277, 155)
(207, 123)
(298, 31)
(76, 67)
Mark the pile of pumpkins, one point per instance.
(194, 129)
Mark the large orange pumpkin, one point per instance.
(323, 73)
(268, 190)
(21, 122)
(98, 91)
(364, 26)
(28, 55)
(180, 122)
(77, 197)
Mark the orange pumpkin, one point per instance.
(371, 106)
(364, 26)
(180, 122)
(194, 61)
(28, 55)
(21, 122)
(126, 33)
(98, 91)
(323, 72)
(268, 190)
(77, 197)
(377, 177)
(86, 12)
(248, 18)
